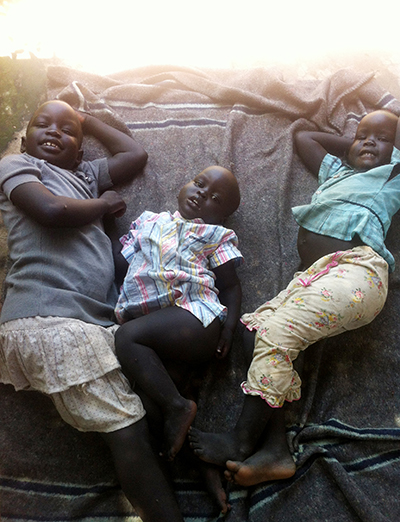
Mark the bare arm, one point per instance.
(37, 202)
(127, 156)
(230, 295)
(127, 159)
(312, 147)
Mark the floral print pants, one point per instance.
(339, 292)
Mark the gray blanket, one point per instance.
(345, 431)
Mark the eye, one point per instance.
(215, 197)
(69, 132)
(383, 138)
(40, 122)
(198, 183)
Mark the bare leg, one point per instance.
(260, 426)
(248, 338)
(170, 334)
(140, 474)
(272, 461)
(239, 444)
(212, 479)
(180, 374)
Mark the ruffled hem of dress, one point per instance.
(271, 400)
(55, 358)
(249, 321)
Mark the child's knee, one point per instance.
(123, 340)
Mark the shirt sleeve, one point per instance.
(128, 241)
(227, 250)
(329, 166)
(15, 170)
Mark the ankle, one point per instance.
(178, 403)
(244, 442)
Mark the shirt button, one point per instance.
(318, 191)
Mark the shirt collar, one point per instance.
(177, 215)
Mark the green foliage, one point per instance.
(22, 89)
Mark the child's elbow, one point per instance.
(300, 137)
(137, 162)
(142, 159)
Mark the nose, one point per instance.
(201, 192)
(53, 130)
(369, 140)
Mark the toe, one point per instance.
(233, 466)
(229, 476)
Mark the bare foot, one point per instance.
(217, 448)
(212, 478)
(176, 425)
(261, 467)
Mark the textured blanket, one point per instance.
(345, 431)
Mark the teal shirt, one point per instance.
(348, 202)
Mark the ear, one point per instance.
(78, 158)
(23, 144)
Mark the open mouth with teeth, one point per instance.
(194, 201)
(368, 153)
(51, 144)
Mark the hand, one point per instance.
(116, 203)
(224, 344)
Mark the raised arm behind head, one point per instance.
(372, 146)
(127, 156)
(312, 147)
(54, 134)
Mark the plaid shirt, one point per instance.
(170, 264)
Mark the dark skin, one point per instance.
(55, 134)
(213, 195)
(59, 124)
(372, 146)
(256, 450)
(161, 347)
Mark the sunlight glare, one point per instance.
(124, 34)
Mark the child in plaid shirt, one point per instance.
(180, 300)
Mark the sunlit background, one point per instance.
(106, 37)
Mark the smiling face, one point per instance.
(373, 144)
(212, 195)
(54, 134)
